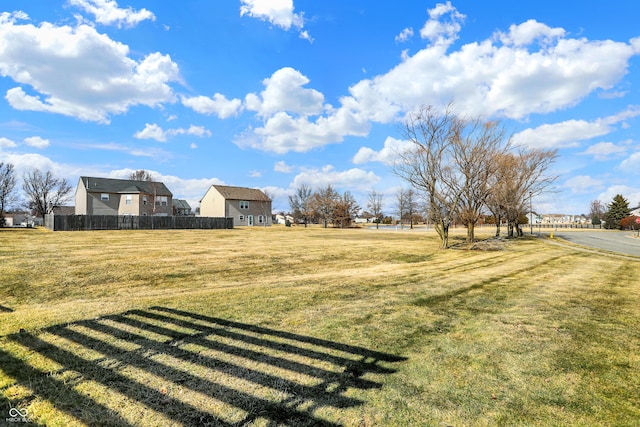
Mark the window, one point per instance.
(104, 197)
(161, 200)
(241, 218)
(144, 200)
(128, 199)
(244, 205)
(261, 219)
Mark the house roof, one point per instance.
(181, 204)
(123, 186)
(241, 193)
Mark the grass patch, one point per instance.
(294, 326)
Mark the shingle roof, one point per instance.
(124, 186)
(181, 204)
(241, 193)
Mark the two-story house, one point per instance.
(107, 196)
(247, 206)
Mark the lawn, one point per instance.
(294, 326)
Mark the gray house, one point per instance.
(247, 206)
(107, 196)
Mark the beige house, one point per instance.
(247, 206)
(106, 196)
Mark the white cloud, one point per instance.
(255, 174)
(153, 131)
(286, 106)
(436, 29)
(352, 179)
(107, 12)
(36, 142)
(78, 72)
(284, 91)
(632, 194)
(277, 12)
(491, 78)
(281, 166)
(387, 155)
(605, 150)
(631, 164)
(583, 184)
(7, 143)
(570, 132)
(404, 35)
(218, 105)
(529, 32)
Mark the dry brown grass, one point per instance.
(299, 326)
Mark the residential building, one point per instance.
(181, 208)
(247, 206)
(107, 196)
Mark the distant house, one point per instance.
(106, 196)
(247, 206)
(635, 211)
(181, 208)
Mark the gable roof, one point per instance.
(241, 193)
(123, 186)
(181, 204)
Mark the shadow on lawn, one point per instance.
(259, 373)
(4, 309)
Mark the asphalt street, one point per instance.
(623, 242)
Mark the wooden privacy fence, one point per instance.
(129, 222)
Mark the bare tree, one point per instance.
(300, 203)
(141, 175)
(523, 174)
(7, 189)
(323, 203)
(345, 210)
(597, 212)
(374, 204)
(475, 153)
(44, 191)
(428, 166)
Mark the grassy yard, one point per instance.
(294, 326)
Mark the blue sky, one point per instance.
(273, 94)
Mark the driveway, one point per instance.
(623, 242)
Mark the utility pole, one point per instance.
(530, 212)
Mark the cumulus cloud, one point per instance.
(107, 12)
(218, 105)
(352, 179)
(153, 131)
(277, 12)
(583, 184)
(404, 35)
(295, 118)
(285, 91)
(605, 150)
(281, 166)
(7, 143)
(632, 194)
(531, 68)
(78, 72)
(36, 142)
(631, 164)
(570, 132)
(387, 155)
(439, 29)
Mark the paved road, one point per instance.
(623, 242)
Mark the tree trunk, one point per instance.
(471, 236)
(443, 231)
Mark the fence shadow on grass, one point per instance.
(196, 370)
(4, 309)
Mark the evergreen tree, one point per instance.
(617, 210)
